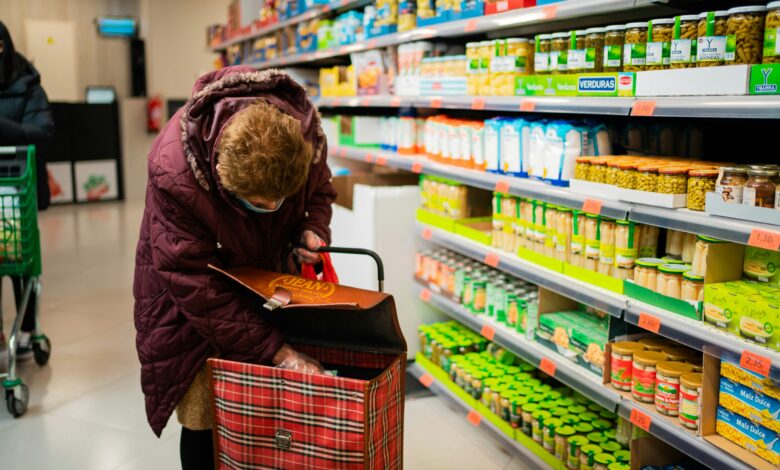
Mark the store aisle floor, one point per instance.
(86, 408)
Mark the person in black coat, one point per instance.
(25, 118)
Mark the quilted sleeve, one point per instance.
(220, 310)
(320, 200)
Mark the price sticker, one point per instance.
(643, 108)
(343, 152)
(344, 3)
(381, 161)
(649, 322)
(755, 363)
(372, 44)
(395, 102)
(425, 295)
(528, 106)
(427, 233)
(426, 380)
(502, 186)
(592, 206)
(488, 332)
(492, 260)
(336, 102)
(326, 8)
(343, 49)
(474, 418)
(365, 102)
(640, 419)
(417, 167)
(368, 158)
(547, 366)
(478, 103)
(765, 239)
(436, 103)
(502, 6)
(550, 12)
(471, 25)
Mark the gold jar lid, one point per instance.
(649, 358)
(679, 354)
(655, 344)
(673, 368)
(692, 379)
(627, 348)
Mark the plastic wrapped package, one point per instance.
(511, 147)
(564, 142)
(599, 142)
(536, 158)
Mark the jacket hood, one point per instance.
(15, 71)
(219, 95)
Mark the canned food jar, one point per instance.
(745, 40)
(548, 434)
(621, 362)
(711, 41)
(659, 43)
(583, 427)
(606, 246)
(635, 47)
(610, 446)
(588, 455)
(542, 53)
(643, 375)
(563, 229)
(771, 38)
(602, 461)
(647, 178)
(667, 386)
(596, 437)
(673, 180)
(614, 39)
(648, 241)
(598, 170)
(577, 52)
(646, 272)
(618, 466)
(516, 413)
(669, 281)
(690, 399)
(594, 49)
(700, 182)
(699, 263)
(573, 453)
(538, 419)
(674, 245)
(679, 354)
(562, 436)
(528, 410)
(627, 175)
(692, 287)
(577, 246)
(559, 53)
(592, 241)
(683, 48)
(613, 171)
(689, 247)
(626, 244)
(759, 189)
(582, 168)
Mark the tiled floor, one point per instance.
(86, 408)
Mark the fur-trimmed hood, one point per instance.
(219, 95)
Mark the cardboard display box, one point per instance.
(345, 184)
(705, 81)
(715, 206)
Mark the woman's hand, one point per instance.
(311, 242)
(290, 359)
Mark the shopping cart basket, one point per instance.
(266, 417)
(20, 256)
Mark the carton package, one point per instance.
(753, 405)
(746, 309)
(751, 436)
(761, 384)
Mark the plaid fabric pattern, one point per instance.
(334, 422)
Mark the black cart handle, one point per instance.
(380, 267)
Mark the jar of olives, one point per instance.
(683, 49)
(772, 26)
(659, 41)
(559, 53)
(647, 178)
(635, 47)
(542, 53)
(626, 175)
(614, 39)
(582, 167)
(613, 171)
(597, 171)
(711, 42)
(700, 182)
(594, 49)
(745, 29)
(673, 180)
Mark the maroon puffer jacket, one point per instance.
(184, 312)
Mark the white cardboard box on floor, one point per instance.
(670, 201)
(704, 81)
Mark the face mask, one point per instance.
(259, 210)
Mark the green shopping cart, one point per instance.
(20, 256)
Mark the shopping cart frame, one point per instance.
(18, 172)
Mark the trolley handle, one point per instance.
(13, 150)
(380, 267)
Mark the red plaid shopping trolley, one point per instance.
(265, 417)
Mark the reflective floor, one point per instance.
(86, 407)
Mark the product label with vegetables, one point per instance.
(612, 55)
(711, 49)
(634, 54)
(658, 53)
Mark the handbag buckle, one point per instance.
(283, 439)
(272, 304)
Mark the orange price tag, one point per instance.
(649, 322)
(755, 363)
(488, 332)
(425, 295)
(371, 44)
(344, 3)
(492, 260)
(417, 167)
(368, 158)
(643, 108)
(528, 106)
(547, 366)
(436, 103)
(502, 186)
(641, 419)
(326, 8)
(471, 25)
(426, 380)
(365, 102)
(592, 206)
(478, 103)
(427, 233)
(343, 49)
(395, 102)
(381, 161)
(550, 12)
(336, 101)
(343, 152)
(764, 239)
(474, 418)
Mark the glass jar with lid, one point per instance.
(621, 360)
(598, 170)
(635, 47)
(643, 375)
(669, 281)
(759, 189)
(581, 168)
(542, 53)
(646, 272)
(614, 39)
(699, 263)
(485, 56)
(627, 175)
(577, 246)
(700, 182)
(690, 399)
(576, 53)
(745, 29)
(594, 49)
(659, 41)
(692, 287)
(647, 178)
(519, 48)
(667, 386)
(592, 242)
(731, 183)
(684, 35)
(648, 241)
(472, 57)
(613, 170)
(711, 42)
(606, 246)
(626, 244)
(688, 247)
(771, 44)
(559, 53)
(673, 180)
(563, 229)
